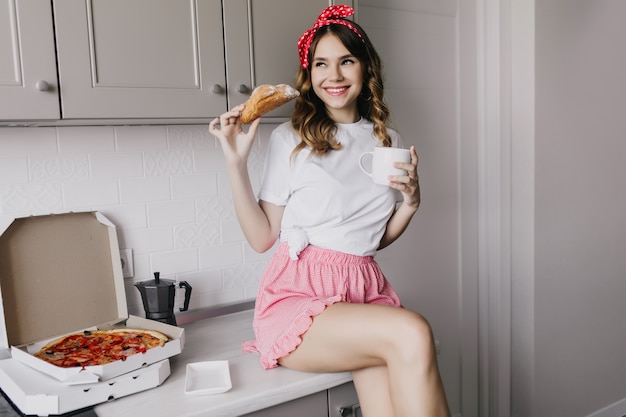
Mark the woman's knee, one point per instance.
(415, 339)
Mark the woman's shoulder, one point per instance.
(285, 132)
(283, 139)
(285, 128)
(396, 139)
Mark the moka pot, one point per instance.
(158, 297)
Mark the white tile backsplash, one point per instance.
(170, 212)
(91, 193)
(197, 235)
(14, 170)
(140, 138)
(208, 280)
(164, 187)
(134, 190)
(88, 139)
(194, 186)
(132, 216)
(148, 240)
(231, 231)
(31, 199)
(217, 208)
(221, 255)
(168, 163)
(191, 137)
(59, 168)
(208, 161)
(28, 141)
(173, 262)
(116, 165)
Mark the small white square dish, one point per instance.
(210, 377)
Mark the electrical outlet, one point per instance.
(126, 257)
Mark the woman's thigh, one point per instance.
(348, 337)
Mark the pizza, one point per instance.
(99, 347)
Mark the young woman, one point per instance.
(324, 305)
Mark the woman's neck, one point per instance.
(344, 116)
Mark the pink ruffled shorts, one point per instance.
(292, 292)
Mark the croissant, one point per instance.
(266, 98)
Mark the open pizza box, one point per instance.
(34, 393)
(61, 274)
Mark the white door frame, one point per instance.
(503, 202)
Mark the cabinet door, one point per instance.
(343, 401)
(267, 53)
(313, 405)
(140, 58)
(28, 77)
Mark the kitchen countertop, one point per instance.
(253, 387)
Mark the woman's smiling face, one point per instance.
(337, 79)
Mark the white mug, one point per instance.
(382, 160)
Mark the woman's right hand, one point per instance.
(236, 144)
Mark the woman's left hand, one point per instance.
(408, 184)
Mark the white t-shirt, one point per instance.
(329, 202)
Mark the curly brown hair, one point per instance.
(310, 117)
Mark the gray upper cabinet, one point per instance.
(121, 60)
(28, 75)
(140, 58)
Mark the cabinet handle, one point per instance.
(42, 85)
(217, 89)
(243, 89)
(350, 411)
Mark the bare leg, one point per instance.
(349, 337)
(372, 387)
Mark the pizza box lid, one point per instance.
(59, 274)
(36, 394)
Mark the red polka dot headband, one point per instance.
(330, 15)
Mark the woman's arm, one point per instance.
(410, 188)
(259, 220)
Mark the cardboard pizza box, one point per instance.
(61, 274)
(34, 393)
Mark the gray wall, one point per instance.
(568, 345)
(417, 43)
(580, 207)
